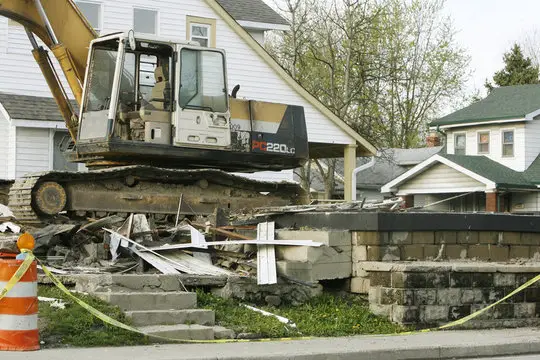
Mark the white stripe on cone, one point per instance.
(21, 289)
(18, 322)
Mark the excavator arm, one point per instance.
(66, 32)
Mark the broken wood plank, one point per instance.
(240, 242)
(162, 265)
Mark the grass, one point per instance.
(74, 326)
(326, 315)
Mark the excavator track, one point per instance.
(38, 198)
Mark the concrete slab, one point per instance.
(181, 331)
(329, 238)
(150, 301)
(172, 317)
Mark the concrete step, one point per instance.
(181, 331)
(223, 333)
(172, 317)
(131, 301)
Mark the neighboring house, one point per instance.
(491, 162)
(389, 164)
(238, 26)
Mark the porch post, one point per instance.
(491, 201)
(349, 164)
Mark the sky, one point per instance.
(488, 28)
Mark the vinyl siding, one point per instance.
(532, 141)
(440, 178)
(12, 148)
(521, 159)
(4, 147)
(33, 150)
(20, 74)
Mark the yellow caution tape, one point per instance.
(107, 319)
(18, 275)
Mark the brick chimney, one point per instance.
(433, 139)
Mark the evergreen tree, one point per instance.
(518, 70)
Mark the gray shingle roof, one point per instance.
(252, 10)
(505, 102)
(22, 107)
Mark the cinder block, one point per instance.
(467, 237)
(534, 252)
(503, 311)
(380, 278)
(482, 280)
(504, 279)
(498, 253)
(445, 237)
(400, 238)
(486, 315)
(431, 251)
(479, 252)
(530, 239)
(329, 238)
(471, 296)
(412, 252)
(511, 238)
(369, 238)
(524, 310)
(433, 313)
(359, 253)
(409, 280)
(358, 270)
(453, 252)
(359, 285)
(425, 297)
(488, 237)
(381, 310)
(423, 237)
(300, 253)
(390, 253)
(437, 280)
(405, 314)
(449, 297)
(458, 312)
(392, 296)
(460, 280)
(335, 254)
(302, 271)
(332, 271)
(519, 252)
(374, 295)
(373, 253)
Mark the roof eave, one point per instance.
(477, 122)
(257, 25)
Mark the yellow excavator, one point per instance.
(156, 126)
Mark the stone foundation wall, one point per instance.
(431, 294)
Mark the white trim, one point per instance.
(532, 115)
(387, 188)
(442, 127)
(256, 25)
(39, 124)
(208, 28)
(51, 149)
(478, 142)
(5, 113)
(443, 191)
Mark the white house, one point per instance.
(33, 129)
(492, 157)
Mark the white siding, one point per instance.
(4, 147)
(532, 141)
(517, 162)
(20, 74)
(440, 179)
(12, 148)
(33, 150)
(525, 202)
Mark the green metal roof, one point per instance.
(504, 177)
(507, 102)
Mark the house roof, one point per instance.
(503, 103)
(252, 10)
(501, 175)
(22, 107)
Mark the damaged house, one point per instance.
(33, 129)
(491, 161)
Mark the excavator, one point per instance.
(155, 126)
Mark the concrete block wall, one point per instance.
(432, 294)
(309, 264)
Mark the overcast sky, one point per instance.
(488, 28)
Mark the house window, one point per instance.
(201, 30)
(200, 33)
(483, 142)
(92, 12)
(508, 143)
(460, 144)
(145, 21)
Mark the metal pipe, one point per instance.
(45, 19)
(32, 39)
(356, 171)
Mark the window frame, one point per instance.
(478, 143)
(156, 24)
(513, 142)
(208, 22)
(208, 36)
(98, 3)
(464, 134)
